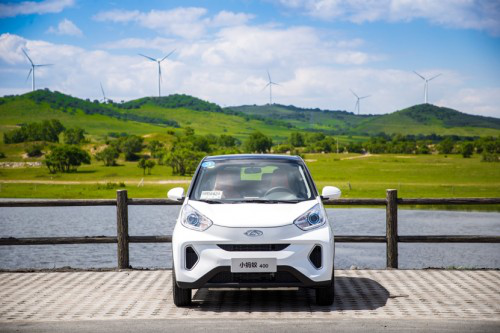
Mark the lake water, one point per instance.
(160, 220)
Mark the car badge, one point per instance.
(254, 233)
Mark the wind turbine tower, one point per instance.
(358, 104)
(270, 85)
(426, 85)
(32, 69)
(104, 99)
(158, 61)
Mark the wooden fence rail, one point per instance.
(123, 239)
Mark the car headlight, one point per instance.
(193, 219)
(313, 218)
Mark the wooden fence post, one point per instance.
(391, 228)
(122, 228)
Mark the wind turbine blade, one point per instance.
(269, 76)
(267, 85)
(145, 56)
(365, 96)
(43, 65)
(354, 93)
(27, 56)
(432, 78)
(423, 78)
(168, 55)
(276, 84)
(27, 77)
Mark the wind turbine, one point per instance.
(104, 99)
(270, 85)
(32, 69)
(426, 85)
(158, 61)
(358, 105)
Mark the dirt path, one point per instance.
(356, 157)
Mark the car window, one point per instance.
(251, 181)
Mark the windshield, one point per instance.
(252, 181)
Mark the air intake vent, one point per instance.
(191, 257)
(252, 247)
(315, 256)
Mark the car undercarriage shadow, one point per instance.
(351, 293)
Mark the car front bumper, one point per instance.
(213, 267)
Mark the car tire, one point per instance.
(182, 297)
(325, 296)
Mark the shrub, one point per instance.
(490, 157)
(34, 150)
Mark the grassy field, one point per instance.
(357, 176)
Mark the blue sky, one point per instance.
(316, 50)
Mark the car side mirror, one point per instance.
(331, 192)
(176, 194)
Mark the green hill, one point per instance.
(141, 116)
(418, 119)
(428, 119)
(333, 122)
(151, 115)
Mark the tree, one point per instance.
(130, 146)
(183, 158)
(108, 156)
(227, 141)
(74, 136)
(258, 142)
(47, 130)
(154, 147)
(297, 139)
(66, 158)
(150, 164)
(142, 164)
(467, 149)
(446, 146)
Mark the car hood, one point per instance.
(252, 215)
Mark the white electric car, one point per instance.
(252, 221)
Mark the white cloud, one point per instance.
(66, 27)
(466, 14)
(186, 22)
(32, 7)
(230, 69)
(158, 43)
(225, 18)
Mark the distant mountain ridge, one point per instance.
(154, 113)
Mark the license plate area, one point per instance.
(253, 265)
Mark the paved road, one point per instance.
(442, 300)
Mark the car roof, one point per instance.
(253, 156)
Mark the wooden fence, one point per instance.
(123, 239)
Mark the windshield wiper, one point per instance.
(268, 201)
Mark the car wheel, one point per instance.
(325, 296)
(182, 297)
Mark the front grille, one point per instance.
(191, 257)
(278, 277)
(253, 247)
(315, 256)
